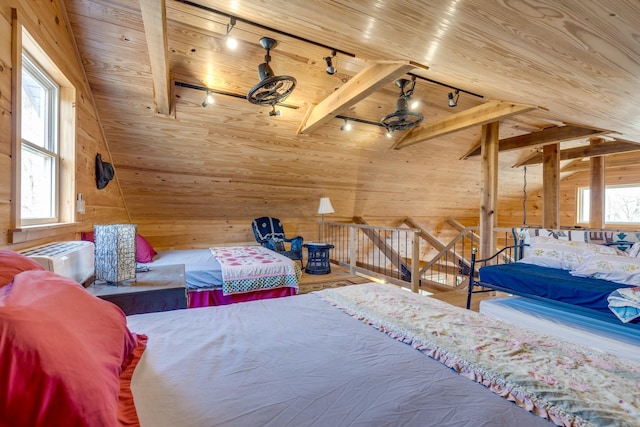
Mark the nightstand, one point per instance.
(162, 288)
(318, 259)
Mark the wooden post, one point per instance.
(415, 263)
(551, 186)
(597, 188)
(353, 232)
(489, 144)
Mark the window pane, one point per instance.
(37, 185)
(584, 202)
(622, 205)
(34, 111)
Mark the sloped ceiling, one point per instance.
(576, 61)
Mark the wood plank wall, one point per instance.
(512, 213)
(45, 21)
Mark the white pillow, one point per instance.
(615, 268)
(634, 250)
(562, 254)
(578, 245)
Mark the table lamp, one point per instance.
(115, 252)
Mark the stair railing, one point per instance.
(376, 251)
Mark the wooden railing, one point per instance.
(449, 268)
(392, 254)
(375, 251)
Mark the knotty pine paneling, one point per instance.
(46, 22)
(203, 174)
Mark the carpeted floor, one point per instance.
(310, 287)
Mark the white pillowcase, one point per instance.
(634, 250)
(615, 268)
(562, 254)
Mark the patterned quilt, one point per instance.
(252, 268)
(565, 383)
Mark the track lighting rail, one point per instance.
(235, 19)
(225, 93)
(445, 85)
(264, 27)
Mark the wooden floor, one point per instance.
(456, 297)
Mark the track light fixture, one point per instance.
(331, 69)
(232, 43)
(346, 126)
(208, 99)
(453, 98)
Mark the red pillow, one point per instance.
(62, 351)
(87, 236)
(12, 263)
(144, 250)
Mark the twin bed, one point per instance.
(366, 354)
(577, 285)
(225, 275)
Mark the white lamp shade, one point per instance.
(325, 206)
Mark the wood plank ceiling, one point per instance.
(537, 66)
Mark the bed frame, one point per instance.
(514, 253)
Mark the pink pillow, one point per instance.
(62, 352)
(144, 250)
(12, 263)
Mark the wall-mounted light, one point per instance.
(331, 68)
(232, 43)
(208, 99)
(346, 126)
(453, 98)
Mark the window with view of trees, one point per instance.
(622, 204)
(39, 160)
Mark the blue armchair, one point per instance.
(270, 234)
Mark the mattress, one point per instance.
(552, 283)
(565, 324)
(298, 361)
(202, 270)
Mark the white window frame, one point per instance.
(50, 150)
(583, 201)
(23, 230)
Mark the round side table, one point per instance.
(318, 259)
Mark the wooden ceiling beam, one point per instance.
(603, 149)
(366, 82)
(154, 17)
(489, 112)
(551, 135)
(630, 159)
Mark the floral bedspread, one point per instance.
(251, 268)
(565, 383)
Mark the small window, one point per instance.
(39, 146)
(622, 204)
